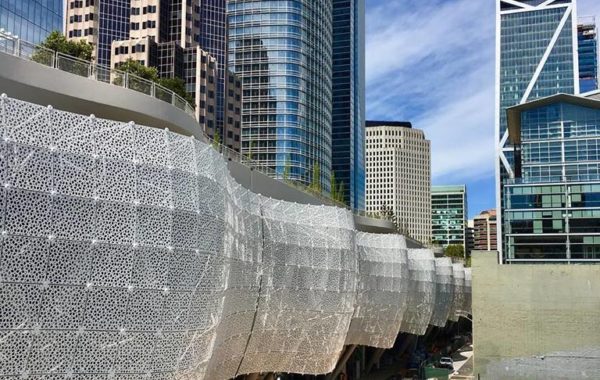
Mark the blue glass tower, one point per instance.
(282, 51)
(31, 20)
(552, 205)
(587, 42)
(536, 58)
(348, 125)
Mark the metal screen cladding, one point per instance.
(444, 291)
(382, 290)
(129, 252)
(308, 289)
(466, 309)
(421, 294)
(458, 274)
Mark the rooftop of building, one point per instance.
(486, 214)
(449, 189)
(380, 123)
(589, 99)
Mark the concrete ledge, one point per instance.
(36, 83)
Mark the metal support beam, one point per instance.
(342, 362)
(374, 360)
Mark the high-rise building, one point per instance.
(348, 134)
(449, 215)
(182, 39)
(99, 22)
(31, 20)
(536, 57)
(398, 171)
(587, 42)
(282, 51)
(484, 231)
(552, 205)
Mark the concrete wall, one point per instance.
(35, 83)
(535, 321)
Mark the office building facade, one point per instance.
(449, 215)
(398, 176)
(587, 42)
(485, 237)
(282, 51)
(31, 20)
(536, 44)
(186, 40)
(552, 205)
(348, 134)
(99, 22)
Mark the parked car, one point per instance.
(446, 362)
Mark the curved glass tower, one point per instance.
(282, 50)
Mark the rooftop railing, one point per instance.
(13, 45)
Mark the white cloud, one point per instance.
(432, 62)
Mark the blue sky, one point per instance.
(431, 62)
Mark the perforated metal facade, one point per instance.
(130, 252)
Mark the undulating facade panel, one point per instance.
(129, 252)
(458, 275)
(308, 289)
(422, 291)
(243, 252)
(111, 261)
(444, 291)
(382, 290)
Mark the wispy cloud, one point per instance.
(432, 62)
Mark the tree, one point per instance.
(134, 67)
(340, 191)
(315, 184)
(177, 85)
(455, 250)
(287, 168)
(56, 42)
(217, 140)
(333, 186)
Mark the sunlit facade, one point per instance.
(536, 57)
(282, 51)
(31, 20)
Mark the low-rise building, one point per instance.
(484, 231)
(449, 215)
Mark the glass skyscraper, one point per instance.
(31, 20)
(348, 127)
(552, 206)
(587, 42)
(449, 215)
(537, 57)
(282, 51)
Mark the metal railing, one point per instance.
(13, 45)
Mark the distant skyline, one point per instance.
(432, 62)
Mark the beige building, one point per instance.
(484, 227)
(398, 176)
(162, 34)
